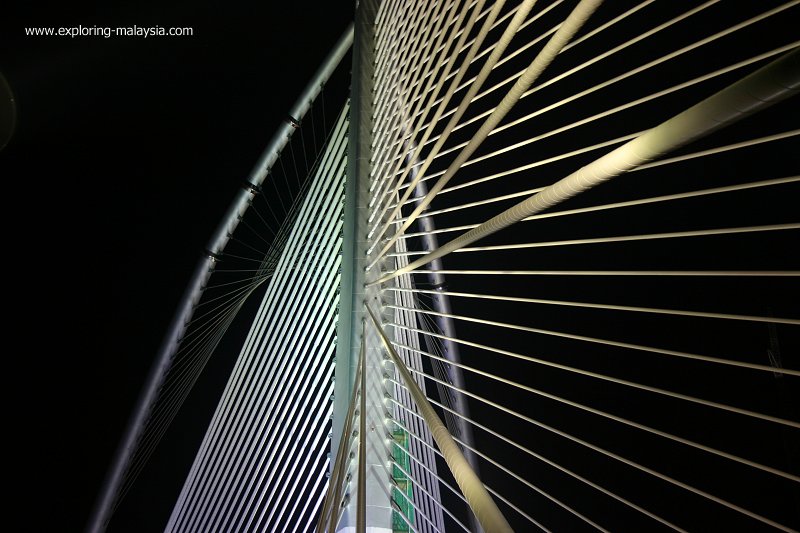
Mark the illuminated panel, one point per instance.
(263, 462)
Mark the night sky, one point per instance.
(126, 154)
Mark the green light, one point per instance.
(403, 484)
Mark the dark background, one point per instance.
(126, 154)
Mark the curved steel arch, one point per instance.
(110, 491)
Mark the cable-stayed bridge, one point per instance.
(539, 272)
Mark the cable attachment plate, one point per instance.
(252, 187)
(215, 258)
